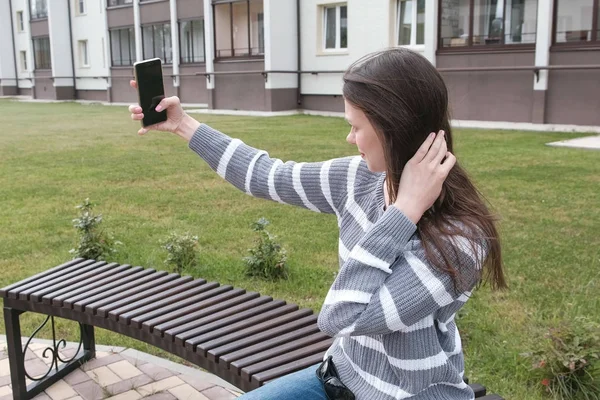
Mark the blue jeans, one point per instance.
(302, 384)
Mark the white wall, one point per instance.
(23, 43)
(7, 56)
(91, 27)
(371, 27)
(60, 50)
(281, 43)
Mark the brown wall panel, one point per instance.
(282, 99)
(25, 92)
(44, 86)
(8, 90)
(192, 89)
(156, 11)
(572, 96)
(120, 90)
(39, 28)
(490, 95)
(64, 92)
(240, 92)
(323, 103)
(190, 9)
(120, 16)
(92, 95)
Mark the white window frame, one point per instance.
(338, 24)
(20, 22)
(78, 4)
(84, 57)
(413, 25)
(23, 60)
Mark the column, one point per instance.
(543, 41)
(137, 27)
(175, 43)
(8, 60)
(431, 29)
(209, 48)
(61, 50)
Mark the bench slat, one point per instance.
(153, 280)
(101, 288)
(189, 313)
(478, 389)
(146, 297)
(264, 340)
(160, 301)
(55, 278)
(188, 298)
(4, 292)
(293, 366)
(278, 365)
(47, 294)
(221, 314)
(83, 286)
(246, 328)
(283, 349)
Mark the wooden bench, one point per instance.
(243, 337)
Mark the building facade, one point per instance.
(503, 60)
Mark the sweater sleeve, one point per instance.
(319, 186)
(383, 288)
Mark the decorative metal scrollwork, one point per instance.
(54, 349)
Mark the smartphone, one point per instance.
(149, 78)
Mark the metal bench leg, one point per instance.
(15, 352)
(17, 357)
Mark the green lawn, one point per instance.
(52, 156)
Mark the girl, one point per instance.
(415, 235)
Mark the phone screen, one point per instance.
(151, 90)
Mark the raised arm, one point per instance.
(320, 187)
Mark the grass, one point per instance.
(52, 156)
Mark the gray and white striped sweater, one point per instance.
(392, 313)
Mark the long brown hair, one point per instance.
(405, 99)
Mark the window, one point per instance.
(335, 27)
(112, 3)
(575, 22)
(410, 22)
(41, 52)
(122, 46)
(20, 22)
(156, 41)
(39, 9)
(239, 28)
(80, 7)
(23, 58)
(492, 22)
(82, 47)
(191, 35)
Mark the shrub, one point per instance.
(181, 252)
(93, 242)
(568, 362)
(267, 259)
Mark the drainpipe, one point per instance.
(299, 91)
(175, 45)
(71, 46)
(137, 28)
(12, 35)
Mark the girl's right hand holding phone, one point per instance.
(178, 122)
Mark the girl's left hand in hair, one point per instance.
(423, 176)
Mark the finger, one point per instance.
(133, 84)
(448, 163)
(435, 147)
(137, 117)
(143, 131)
(167, 102)
(441, 154)
(422, 152)
(135, 109)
